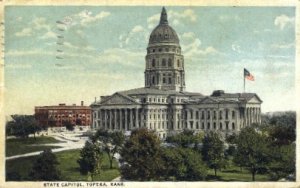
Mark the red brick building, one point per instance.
(55, 116)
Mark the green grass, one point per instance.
(16, 146)
(234, 173)
(68, 167)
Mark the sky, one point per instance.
(101, 50)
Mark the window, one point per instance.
(153, 62)
(197, 125)
(153, 50)
(215, 115)
(162, 100)
(191, 112)
(221, 126)
(169, 62)
(233, 126)
(233, 114)
(197, 114)
(226, 114)
(159, 49)
(208, 125)
(153, 80)
(164, 80)
(170, 80)
(220, 115)
(167, 49)
(208, 115)
(164, 62)
(226, 125)
(202, 116)
(215, 126)
(178, 63)
(202, 126)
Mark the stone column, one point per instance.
(121, 120)
(100, 119)
(131, 120)
(136, 118)
(110, 119)
(126, 121)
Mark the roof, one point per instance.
(149, 91)
(163, 33)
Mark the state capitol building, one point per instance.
(163, 104)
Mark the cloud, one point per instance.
(26, 32)
(137, 34)
(18, 66)
(192, 46)
(283, 46)
(84, 18)
(121, 56)
(236, 48)
(226, 18)
(174, 17)
(152, 21)
(28, 52)
(137, 28)
(49, 34)
(72, 46)
(34, 27)
(187, 14)
(283, 20)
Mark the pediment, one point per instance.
(118, 99)
(207, 100)
(254, 99)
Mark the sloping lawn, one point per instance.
(68, 166)
(17, 146)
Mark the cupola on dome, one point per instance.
(163, 33)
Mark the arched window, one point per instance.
(163, 62)
(153, 62)
(169, 62)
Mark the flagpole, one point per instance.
(244, 80)
(244, 84)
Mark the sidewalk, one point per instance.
(68, 142)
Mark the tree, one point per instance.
(69, 126)
(111, 142)
(183, 164)
(283, 161)
(185, 139)
(45, 167)
(90, 159)
(22, 126)
(140, 156)
(252, 150)
(213, 151)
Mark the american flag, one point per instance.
(248, 75)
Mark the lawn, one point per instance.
(234, 173)
(16, 146)
(68, 166)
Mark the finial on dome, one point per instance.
(163, 17)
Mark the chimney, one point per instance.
(81, 103)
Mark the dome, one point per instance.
(163, 33)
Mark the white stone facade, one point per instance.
(163, 104)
